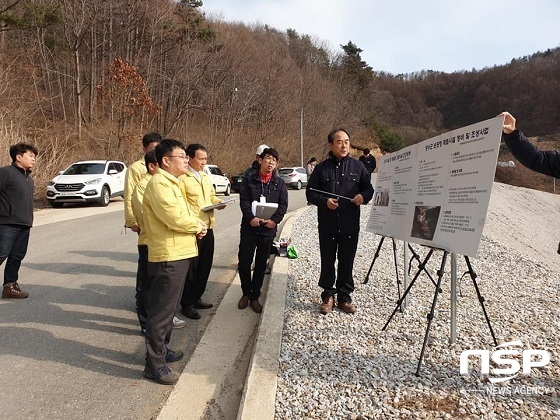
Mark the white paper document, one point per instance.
(263, 210)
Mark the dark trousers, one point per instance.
(199, 270)
(165, 293)
(143, 286)
(248, 244)
(345, 244)
(13, 247)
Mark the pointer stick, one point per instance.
(330, 193)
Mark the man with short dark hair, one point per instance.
(134, 173)
(339, 218)
(171, 234)
(198, 192)
(143, 279)
(369, 161)
(257, 234)
(16, 215)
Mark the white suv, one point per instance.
(87, 181)
(219, 180)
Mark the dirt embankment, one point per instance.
(526, 220)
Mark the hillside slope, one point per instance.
(526, 220)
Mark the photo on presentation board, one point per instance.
(381, 198)
(425, 221)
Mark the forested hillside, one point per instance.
(87, 79)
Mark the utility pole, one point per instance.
(301, 136)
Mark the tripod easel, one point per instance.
(396, 267)
(430, 316)
(416, 257)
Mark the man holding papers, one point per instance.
(338, 186)
(262, 193)
(197, 189)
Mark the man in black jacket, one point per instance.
(16, 215)
(547, 162)
(261, 185)
(544, 162)
(338, 186)
(369, 161)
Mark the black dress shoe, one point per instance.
(173, 356)
(200, 304)
(190, 312)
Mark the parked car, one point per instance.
(294, 177)
(219, 180)
(236, 181)
(92, 181)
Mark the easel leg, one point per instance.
(397, 273)
(416, 257)
(480, 298)
(431, 314)
(374, 258)
(399, 302)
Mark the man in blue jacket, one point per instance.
(257, 234)
(338, 186)
(16, 215)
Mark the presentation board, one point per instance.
(436, 192)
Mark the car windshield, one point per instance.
(85, 169)
(285, 171)
(215, 170)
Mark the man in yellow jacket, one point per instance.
(133, 174)
(199, 193)
(171, 235)
(143, 280)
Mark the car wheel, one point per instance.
(228, 190)
(56, 204)
(298, 185)
(105, 196)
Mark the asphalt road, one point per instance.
(73, 348)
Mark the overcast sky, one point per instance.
(404, 36)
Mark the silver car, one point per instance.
(294, 177)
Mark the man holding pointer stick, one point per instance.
(340, 176)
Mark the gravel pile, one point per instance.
(343, 366)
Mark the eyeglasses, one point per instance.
(184, 157)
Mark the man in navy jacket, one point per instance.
(257, 234)
(16, 215)
(544, 162)
(339, 218)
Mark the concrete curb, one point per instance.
(259, 394)
(214, 361)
